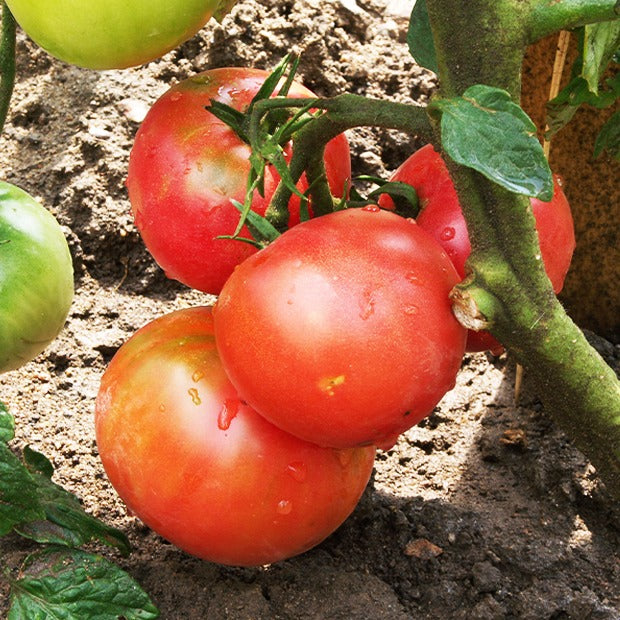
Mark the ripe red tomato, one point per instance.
(186, 166)
(341, 331)
(202, 469)
(442, 217)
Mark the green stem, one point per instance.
(507, 290)
(340, 113)
(7, 62)
(549, 16)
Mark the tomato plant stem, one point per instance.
(340, 113)
(7, 62)
(484, 42)
(549, 16)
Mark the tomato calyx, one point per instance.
(269, 125)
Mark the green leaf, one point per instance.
(598, 44)
(485, 130)
(601, 41)
(19, 499)
(420, 37)
(37, 463)
(37, 508)
(64, 521)
(608, 138)
(7, 424)
(75, 585)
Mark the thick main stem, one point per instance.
(508, 286)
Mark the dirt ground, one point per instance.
(483, 511)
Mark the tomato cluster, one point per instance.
(246, 433)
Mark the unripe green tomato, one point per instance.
(111, 34)
(36, 277)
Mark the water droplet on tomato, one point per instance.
(193, 392)
(229, 410)
(197, 376)
(162, 407)
(175, 96)
(298, 471)
(284, 507)
(411, 309)
(447, 233)
(371, 209)
(412, 277)
(328, 384)
(367, 305)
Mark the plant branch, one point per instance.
(7, 62)
(340, 113)
(550, 16)
(507, 289)
(509, 293)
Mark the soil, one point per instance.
(483, 511)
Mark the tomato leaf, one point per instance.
(600, 42)
(420, 37)
(37, 508)
(487, 131)
(64, 521)
(597, 43)
(609, 138)
(19, 499)
(7, 424)
(73, 585)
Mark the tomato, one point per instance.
(200, 467)
(36, 277)
(110, 34)
(186, 166)
(341, 331)
(442, 217)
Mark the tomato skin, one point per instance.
(186, 166)
(442, 217)
(36, 277)
(341, 331)
(202, 469)
(110, 34)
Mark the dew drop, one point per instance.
(298, 471)
(447, 233)
(162, 407)
(197, 376)
(412, 277)
(371, 209)
(193, 392)
(367, 305)
(229, 410)
(411, 310)
(328, 384)
(175, 96)
(284, 507)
